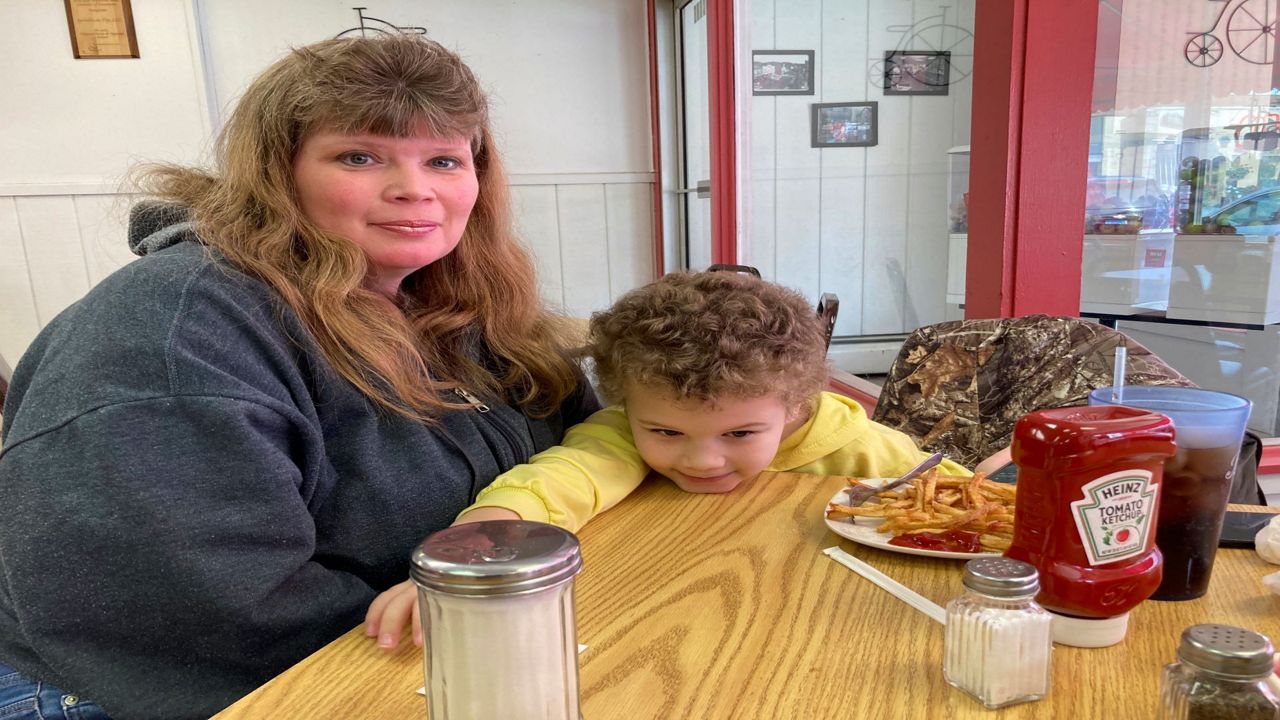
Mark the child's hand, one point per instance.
(390, 611)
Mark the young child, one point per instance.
(716, 377)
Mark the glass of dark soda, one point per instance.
(1209, 426)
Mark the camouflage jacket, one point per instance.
(959, 387)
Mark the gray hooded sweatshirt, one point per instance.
(193, 500)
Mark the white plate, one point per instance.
(865, 533)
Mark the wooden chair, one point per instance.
(828, 308)
(5, 373)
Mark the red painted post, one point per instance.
(655, 120)
(720, 79)
(1032, 99)
(994, 143)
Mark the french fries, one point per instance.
(935, 503)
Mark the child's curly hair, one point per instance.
(711, 335)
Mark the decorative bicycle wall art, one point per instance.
(1250, 33)
(371, 27)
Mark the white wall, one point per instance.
(69, 121)
(567, 80)
(53, 248)
(869, 224)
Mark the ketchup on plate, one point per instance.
(950, 541)
(1085, 516)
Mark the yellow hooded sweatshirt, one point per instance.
(597, 464)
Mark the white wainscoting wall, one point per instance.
(591, 236)
(869, 224)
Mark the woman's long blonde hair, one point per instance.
(479, 304)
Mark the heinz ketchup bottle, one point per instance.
(1088, 491)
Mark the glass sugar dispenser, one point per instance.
(998, 641)
(1220, 674)
(498, 621)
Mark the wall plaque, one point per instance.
(102, 29)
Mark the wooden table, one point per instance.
(723, 606)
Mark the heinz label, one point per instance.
(1114, 518)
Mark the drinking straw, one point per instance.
(1117, 375)
(895, 588)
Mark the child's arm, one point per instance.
(482, 514)
(594, 467)
(950, 467)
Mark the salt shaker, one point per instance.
(1220, 673)
(498, 620)
(998, 640)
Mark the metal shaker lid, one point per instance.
(1227, 650)
(1001, 577)
(498, 557)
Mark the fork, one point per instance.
(860, 493)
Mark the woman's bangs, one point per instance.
(401, 121)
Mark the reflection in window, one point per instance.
(1183, 190)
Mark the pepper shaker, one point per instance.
(1220, 675)
(998, 641)
(498, 621)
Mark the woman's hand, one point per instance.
(390, 611)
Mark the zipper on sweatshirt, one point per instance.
(508, 436)
(472, 400)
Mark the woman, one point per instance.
(215, 460)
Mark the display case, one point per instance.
(957, 222)
(1225, 262)
(1124, 273)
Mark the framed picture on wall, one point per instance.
(917, 72)
(781, 72)
(851, 124)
